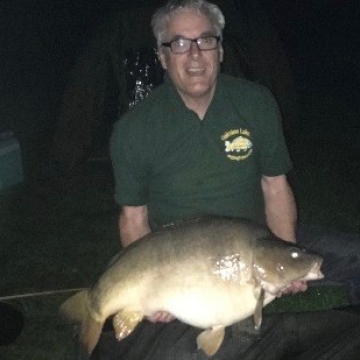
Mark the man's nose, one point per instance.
(194, 49)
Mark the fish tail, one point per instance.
(89, 333)
(76, 310)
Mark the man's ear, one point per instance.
(221, 53)
(162, 58)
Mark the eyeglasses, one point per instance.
(183, 45)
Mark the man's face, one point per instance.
(195, 72)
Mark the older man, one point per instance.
(201, 143)
(206, 143)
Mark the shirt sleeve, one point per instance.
(274, 156)
(129, 170)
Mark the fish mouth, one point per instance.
(315, 272)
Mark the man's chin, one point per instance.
(198, 90)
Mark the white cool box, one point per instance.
(11, 170)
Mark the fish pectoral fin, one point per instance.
(258, 309)
(210, 340)
(125, 321)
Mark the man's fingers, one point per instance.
(161, 316)
(295, 287)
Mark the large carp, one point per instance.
(208, 272)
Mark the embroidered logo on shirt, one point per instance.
(238, 145)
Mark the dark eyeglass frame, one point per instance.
(190, 41)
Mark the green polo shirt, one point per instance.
(179, 166)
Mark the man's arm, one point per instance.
(133, 223)
(280, 206)
(281, 215)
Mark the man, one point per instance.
(206, 143)
(194, 75)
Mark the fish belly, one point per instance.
(205, 306)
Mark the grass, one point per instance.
(61, 234)
(53, 239)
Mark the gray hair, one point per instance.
(163, 14)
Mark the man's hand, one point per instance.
(161, 316)
(294, 288)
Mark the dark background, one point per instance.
(40, 41)
(50, 232)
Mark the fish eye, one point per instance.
(294, 253)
